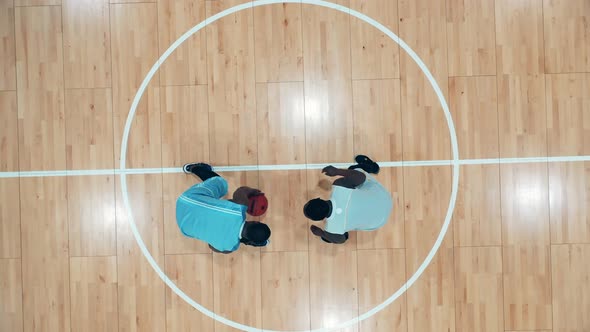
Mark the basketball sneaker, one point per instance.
(367, 164)
(187, 168)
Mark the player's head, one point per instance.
(255, 234)
(317, 209)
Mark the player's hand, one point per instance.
(242, 194)
(316, 230)
(330, 170)
(254, 192)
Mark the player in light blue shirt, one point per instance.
(358, 202)
(201, 213)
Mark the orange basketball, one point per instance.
(257, 205)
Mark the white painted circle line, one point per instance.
(454, 147)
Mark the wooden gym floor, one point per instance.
(296, 84)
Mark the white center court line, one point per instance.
(288, 167)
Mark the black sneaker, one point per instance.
(367, 164)
(362, 159)
(187, 168)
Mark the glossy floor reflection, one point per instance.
(296, 84)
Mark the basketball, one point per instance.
(257, 204)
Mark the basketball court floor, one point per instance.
(269, 95)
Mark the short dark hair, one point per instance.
(317, 209)
(256, 232)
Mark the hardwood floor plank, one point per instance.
(285, 275)
(567, 36)
(87, 43)
(188, 64)
(374, 55)
(570, 274)
(278, 43)
(9, 131)
(93, 285)
(44, 234)
(130, 65)
(7, 48)
(11, 292)
(471, 34)
(10, 219)
(478, 289)
(194, 275)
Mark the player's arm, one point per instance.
(329, 237)
(241, 195)
(214, 187)
(350, 178)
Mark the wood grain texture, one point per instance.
(91, 216)
(39, 62)
(284, 216)
(333, 285)
(568, 119)
(194, 275)
(478, 289)
(424, 130)
(431, 301)
(373, 54)
(10, 229)
(141, 293)
(296, 84)
(519, 37)
(87, 43)
(44, 234)
(11, 292)
(231, 83)
(569, 202)
(567, 36)
(285, 275)
(278, 43)
(527, 287)
(381, 273)
(237, 291)
(471, 34)
(326, 43)
(526, 252)
(39, 48)
(93, 287)
(89, 134)
(570, 275)
(477, 219)
(280, 123)
(377, 119)
(188, 64)
(41, 130)
(328, 119)
(524, 201)
(522, 119)
(474, 107)
(9, 131)
(145, 199)
(185, 128)
(7, 47)
(130, 65)
(37, 2)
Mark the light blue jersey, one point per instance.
(203, 215)
(365, 208)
